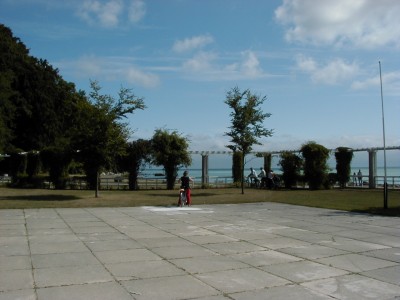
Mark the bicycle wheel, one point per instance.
(183, 198)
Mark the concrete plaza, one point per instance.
(215, 252)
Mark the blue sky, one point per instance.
(315, 61)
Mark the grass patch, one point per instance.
(354, 200)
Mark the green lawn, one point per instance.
(356, 200)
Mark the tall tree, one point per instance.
(101, 136)
(247, 121)
(13, 57)
(37, 106)
(170, 150)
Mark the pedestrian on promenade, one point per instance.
(360, 178)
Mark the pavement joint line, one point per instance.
(30, 255)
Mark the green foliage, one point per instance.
(343, 157)
(13, 56)
(247, 122)
(100, 136)
(290, 165)
(38, 106)
(170, 150)
(315, 164)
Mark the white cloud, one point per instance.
(206, 66)
(334, 72)
(366, 83)
(87, 65)
(250, 66)
(192, 43)
(137, 76)
(201, 62)
(112, 69)
(390, 82)
(137, 10)
(360, 23)
(109, 14)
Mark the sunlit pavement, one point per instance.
(246, 251)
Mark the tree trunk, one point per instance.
(97, 185)
(242, 181)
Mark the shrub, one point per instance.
(315, 164)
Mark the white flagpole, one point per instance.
(385, 187)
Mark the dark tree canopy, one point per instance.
(138, 154)
(170, 150)
(343, 157)
(37, 106)
(315, 164)
(291, 165)
(41, 111)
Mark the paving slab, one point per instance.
(207, 264)
(98, 291)
(173, 287)
(52, 260)
(392, 254)
(355, 287)
(204, 252)
(11, 280)
(144, 269)
(24, 294)
(356, 263)
(264, 258)
(389, 274)
(59, 276)
(287, 292)
(303, 271)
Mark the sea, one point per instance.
(227, 172)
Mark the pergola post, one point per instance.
(204, 170)
(372, 167)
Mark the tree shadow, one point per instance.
(380, 211)
(177, 195)
(50, 197)
(373, 211)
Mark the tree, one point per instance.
(290, 165)
(37, 106)
(343, 157)
(170, 150)
(101, 137)
(315, 164)
(138, 153)
(247, 123)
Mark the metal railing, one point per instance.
(157, 183)
(393, 182)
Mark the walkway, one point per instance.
(215, 252)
